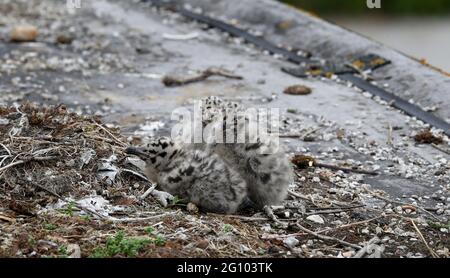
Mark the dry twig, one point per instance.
(46, 189)
(148, 192)
(338, 168)
(402, 203)
(6, 149)
(433, 254)
(390, 141)
(349, 225)
(136, 174)
(328, 238)
(142, 219)
(269, 212)
(240, 217)
(331, 211)
(7, 218)
(171, 81)
(110, 134)
(300, 135)
(309, 198)
(12, 164)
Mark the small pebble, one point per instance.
(290, 242)
(297, 90)
(74, 251)
(64, 39)
(192, 208)
(24, 33)
(348, 254)
(316, 219)
(202, 244)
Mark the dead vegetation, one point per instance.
(427, 137)
(51, 149)
(304, 162)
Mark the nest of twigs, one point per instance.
(48, 153)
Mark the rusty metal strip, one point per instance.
(399, 103)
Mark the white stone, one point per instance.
(316, 219)
(290, 242)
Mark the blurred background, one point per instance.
(419, 28)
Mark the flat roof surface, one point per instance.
(121, 51)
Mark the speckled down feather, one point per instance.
(263, 164)
(193, 175)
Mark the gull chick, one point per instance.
(263, 164)
(193, 175)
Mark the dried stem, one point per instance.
(328, 238)
(171, 81)
(402, 203)
(331, 211)
(110, 134)
(433, 254)
(142, 219)
(335, 228)
(12, 164)
(338, 168)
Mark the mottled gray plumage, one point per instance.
(263, 164)
(194, 175)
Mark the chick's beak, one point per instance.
(135, 151)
